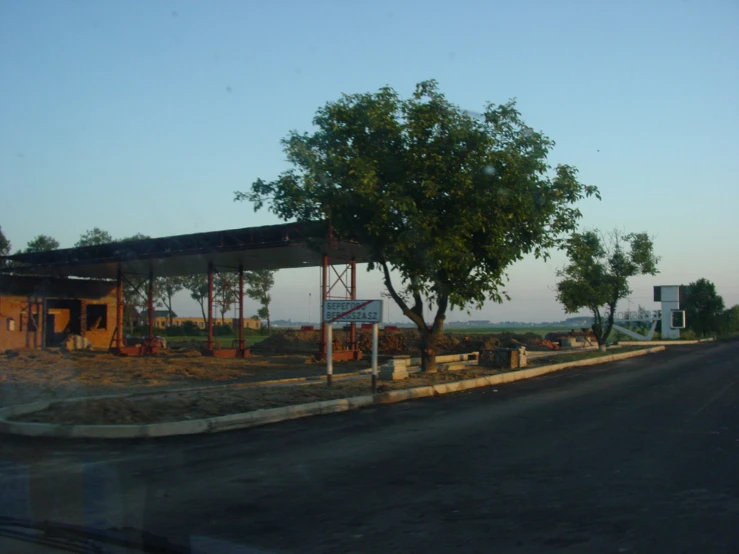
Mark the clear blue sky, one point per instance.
(144, 116)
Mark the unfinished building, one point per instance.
(40, 312)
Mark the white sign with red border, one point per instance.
(352, 311)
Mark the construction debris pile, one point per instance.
(400, 341)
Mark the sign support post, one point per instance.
(374, 357)
(329, 352)
(351, 311)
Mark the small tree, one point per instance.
(166, 288)
(263, 313)
(197, 286)
(446, 198)
(42, 243)
(93, 237)
(259, 283)
(225, 293)
(134, 290)
(703, 307)
(4, 247)
(730, 321)
(598, 273)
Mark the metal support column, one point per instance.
(353, 295)
(150, 347)
(209, 343)
(242, 345)
(29, 323)
(44, 309)
(118, 339)
(324, 297)
(83, 317)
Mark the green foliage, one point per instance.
(225, 293)
(703, 308)
(189, 328)
(223, 330)
(197, 286)
(165, 288)
(134, 290)
(5, 247)
(136, 236)
(730, 322)
(598, 273)
(93, 237)
(4, 244)
(447, 199)
(42, 243)
(259, 283)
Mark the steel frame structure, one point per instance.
(150, 345)
(346, 283)
(289, 245)
(238, 346)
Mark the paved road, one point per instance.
(637, 456)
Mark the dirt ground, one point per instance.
(39, 375)
(204, 404)
(35, 375)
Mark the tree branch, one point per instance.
(440, 314)
(408, 312)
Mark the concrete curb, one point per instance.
(662, 342)
(274, 415)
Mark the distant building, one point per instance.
(161, 321)
(249, 323)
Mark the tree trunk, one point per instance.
(202, 309)
(169, 308)
(428, 350)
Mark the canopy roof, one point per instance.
(282, 246)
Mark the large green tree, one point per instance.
(598, 272)
(447, 199)
(258, 285)
(94, 237)
(703, 307)
(42, 243)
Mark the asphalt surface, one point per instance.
(638, 456)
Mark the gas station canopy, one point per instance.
(288, 245)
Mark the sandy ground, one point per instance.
(35, 375)
(29, 376)
(213, 403)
